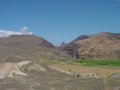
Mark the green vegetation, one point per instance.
(110, 63)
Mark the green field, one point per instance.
(90, 62)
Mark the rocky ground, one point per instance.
(45, 77)
(42, 77)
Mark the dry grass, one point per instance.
(50, 80)
(104, 72)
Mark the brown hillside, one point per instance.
(27, 47)
(101, 45)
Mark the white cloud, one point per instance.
(24, 31)
(7, 33)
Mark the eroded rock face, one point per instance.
(70, 49)
(72, 52)
(34, 67)
(8, 69)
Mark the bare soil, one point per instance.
(58, 79)
(49, 80)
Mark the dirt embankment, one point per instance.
(9, 69)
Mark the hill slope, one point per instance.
(101, 45)
(27, 47)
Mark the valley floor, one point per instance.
(103, 72)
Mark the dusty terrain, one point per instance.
(8, 69)
(48, 79)
(54, 75)
(103, 72)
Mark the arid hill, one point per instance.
(27, 47)
(101, 45)
(28, 62)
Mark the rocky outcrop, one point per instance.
(9, 69)
(71, 51)
(34, 67)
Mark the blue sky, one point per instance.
(61, 20)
